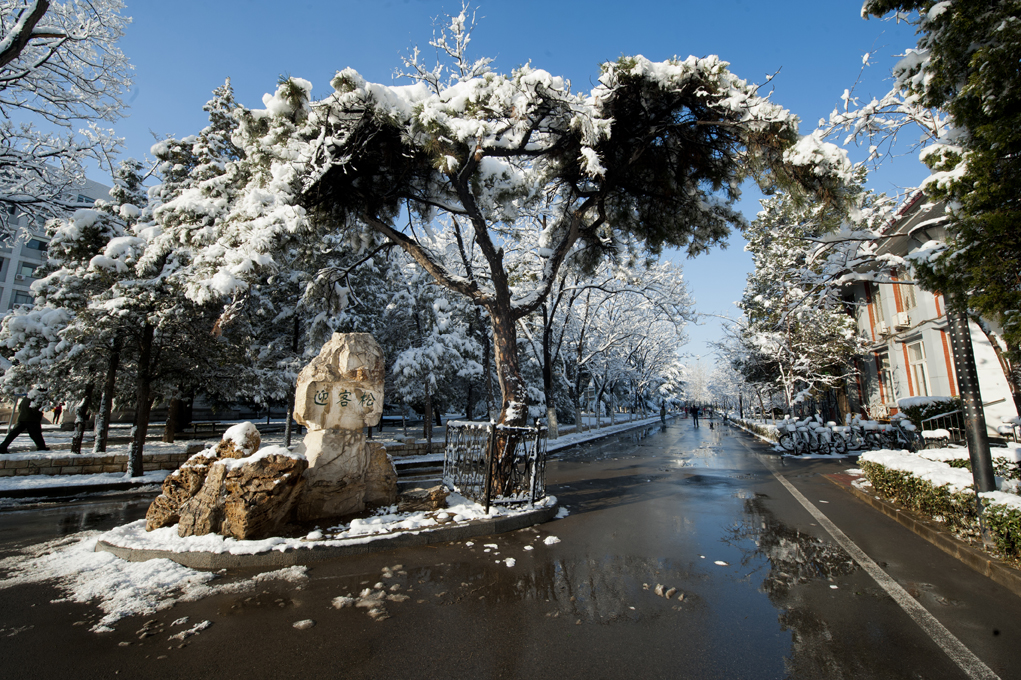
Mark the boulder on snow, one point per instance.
(417, 500)
(178, 488)
(246, 498)
(259, 493)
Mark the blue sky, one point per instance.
(183, 49)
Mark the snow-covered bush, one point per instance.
(1004, 522)
(931, 487)
(943, 490)
(917, 409)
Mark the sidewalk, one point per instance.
(25, 486)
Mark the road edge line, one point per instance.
(965, 659)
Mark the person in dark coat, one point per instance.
(30, 418)
(694, 414)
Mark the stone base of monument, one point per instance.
(461, 520)
(233, 490)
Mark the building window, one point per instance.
(907, 296)
(880, 320)
(885, 377)
(36, 244)
(20, 297)
(919, 371)
(26, 271)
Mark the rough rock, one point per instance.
(380, 477)
(248, 498)
(417, 500)
(178, 488)
(342, 388)
(203, 513)
(335, 478)
(260, 495)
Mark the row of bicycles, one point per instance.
(812, 436)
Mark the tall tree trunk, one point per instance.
(513, 394)
(547, 377)
(143, 401)
(288, 426)
(102, 429)
(487, 369)
(427, 420)
(173, 420)
(81, 419)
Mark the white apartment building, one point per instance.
(910, 353)
(21, 257)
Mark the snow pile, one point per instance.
(120, 588)
(241, 435)
(265, 452)
(909, 402)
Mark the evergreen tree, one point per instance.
(966, 64)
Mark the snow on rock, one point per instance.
(551, 540)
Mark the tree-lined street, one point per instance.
(766, 590)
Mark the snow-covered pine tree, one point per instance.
(484, 147)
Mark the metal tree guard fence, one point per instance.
(952, 423)
(470, 455)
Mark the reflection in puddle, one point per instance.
(799, 559)
(794, 557)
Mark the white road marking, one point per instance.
(954, 648)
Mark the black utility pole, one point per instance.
(967, 382)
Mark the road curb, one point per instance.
(991, 567)
(318, 553)
(73, 489)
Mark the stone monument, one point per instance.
(338, 395)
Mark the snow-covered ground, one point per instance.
(29, 482)
(386, 522)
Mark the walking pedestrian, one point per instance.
(694, 415)
(30, 418)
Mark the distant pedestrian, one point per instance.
(662, 412)
(694, 415)
(30, 418)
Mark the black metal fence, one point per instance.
(495, 464)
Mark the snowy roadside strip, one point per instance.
(937, 484)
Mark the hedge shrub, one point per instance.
(954, 509)
(1004, 524)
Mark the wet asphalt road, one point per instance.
(767, 593)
